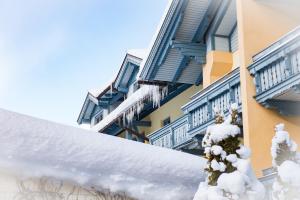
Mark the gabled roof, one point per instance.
(86, 110)
(116, 88)
(129, 69)
(177, 53)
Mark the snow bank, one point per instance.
(37, 148)
(289, 172)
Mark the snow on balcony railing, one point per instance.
(37, 148)
(277, 68)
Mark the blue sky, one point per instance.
(53, 51)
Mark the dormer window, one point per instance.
(98, 117)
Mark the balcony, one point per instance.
(220, 94)
(276, 72)
(198, 113)
(171, 135)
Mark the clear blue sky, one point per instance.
(53, 51)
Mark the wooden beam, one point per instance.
(191, 49)
(136, 133)
(105, 98)
(207, 19)
(110, 95)
(181, 67)
(141, 123)
(159, 83)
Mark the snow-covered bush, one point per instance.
(286, 161)
(230, 175)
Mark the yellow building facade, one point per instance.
(257, 31)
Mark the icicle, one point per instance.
(124, 118)
(156, 96)
(140, 107)
(130, 115)
(147, 93)
(164, 92)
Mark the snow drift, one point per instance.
(38, 148)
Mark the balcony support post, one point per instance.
(288, 65)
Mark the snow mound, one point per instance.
(37, 148)
(232, 182)
(289, 172)
(286, 161)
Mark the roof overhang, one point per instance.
(129, 68)
(178, 51)
(87, 109)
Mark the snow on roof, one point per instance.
(139, 53)
(97, 91)
(142, 93)
(38, 148)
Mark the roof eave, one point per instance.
(157, 45)
(135, 60)
(83, 109)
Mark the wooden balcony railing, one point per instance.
(198, 113)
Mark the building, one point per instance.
(206, 54)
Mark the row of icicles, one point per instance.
(149, 93)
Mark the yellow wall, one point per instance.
(218, 63)
(171, 109)
(261, 23)
(122, 134)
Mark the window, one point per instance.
(166, 121)
(98, 118)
